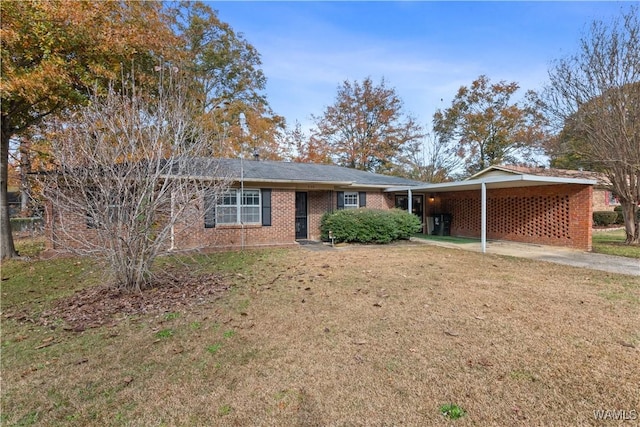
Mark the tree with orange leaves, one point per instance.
(489, 127)
(57, 52)
(304, 148)
(54, 53)
(227, 83)
(366, 127)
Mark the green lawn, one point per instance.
(612, 243)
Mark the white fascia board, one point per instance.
(495, 182)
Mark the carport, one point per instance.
(523, 208)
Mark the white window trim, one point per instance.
(351, 194)
(239, 206)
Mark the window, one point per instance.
(250, 207)
(227, 208)
(612, 199)
(233, 207)
(351, 200)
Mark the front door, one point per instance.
(301, 215)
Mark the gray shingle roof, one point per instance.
(265, 170)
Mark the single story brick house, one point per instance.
(274, 203)
(269, 203)
(287, 200)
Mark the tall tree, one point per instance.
(489, 127)
(304, 148)
(430, 160)
(566, 149)
(227, 81)
(594, 96)
(54, 52)
(366, 127)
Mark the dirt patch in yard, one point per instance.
(174, 291)
(354, 336)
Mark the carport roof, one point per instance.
(490, 182)
(494, 182)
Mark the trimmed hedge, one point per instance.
(604, 217)
(369, 225)
(618, 211)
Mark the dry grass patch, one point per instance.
(355, 336)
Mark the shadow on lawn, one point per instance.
(451, 239)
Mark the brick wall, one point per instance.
(552, 215)
(280, 233)
(318, 202)
(73, 231)
(282, 229)
(601, 200)
(67, 230)
(557, 215)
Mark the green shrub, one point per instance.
(604, 217)
(620, 218)
(406, 223)
(369, 225)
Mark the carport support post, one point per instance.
(409, 201)
(483, 218)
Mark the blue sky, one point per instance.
(425, 50)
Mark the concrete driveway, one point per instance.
(610, 263)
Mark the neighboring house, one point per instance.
(284, 202)
(13, 200)
(603, 198)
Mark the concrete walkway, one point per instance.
(610, 263)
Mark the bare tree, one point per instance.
(431, 160)
(595, 94)
(130, 169)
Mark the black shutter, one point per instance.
(340, 199)
(362, 199)
(209, 210)
(266, 206)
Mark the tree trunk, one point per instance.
(7, 248)
(25, 187)
(630, 214)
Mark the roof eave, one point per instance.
(494, 182)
